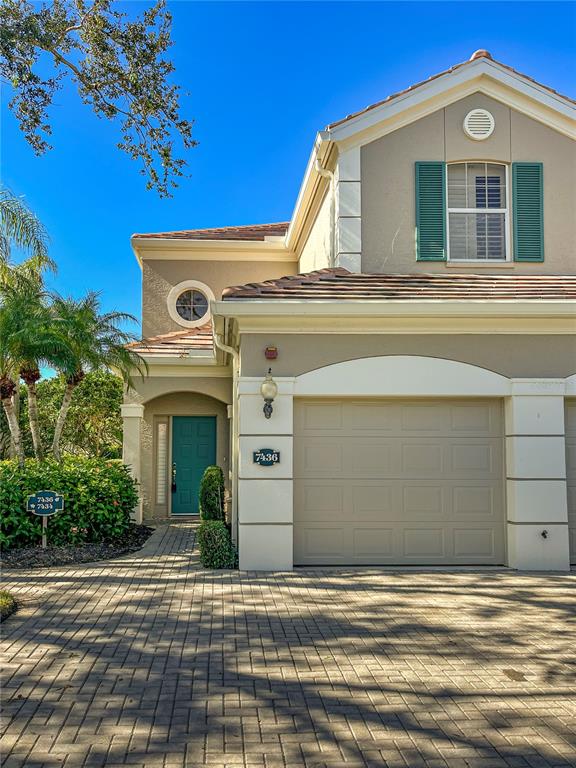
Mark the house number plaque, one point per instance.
(44, 504)
(266, 457)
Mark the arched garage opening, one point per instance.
(399, 460)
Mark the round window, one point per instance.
(189, 303)
(192, 305)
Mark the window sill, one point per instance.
(480, 264)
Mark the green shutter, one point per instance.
(528, 211)
(431, 211)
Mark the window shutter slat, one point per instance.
(528, 211)
(431, 211)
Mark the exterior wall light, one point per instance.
(268, 390)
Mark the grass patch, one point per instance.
(7, 604)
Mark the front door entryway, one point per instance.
(193, 449)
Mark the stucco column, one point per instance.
(348, 211)
(265, 513)
(132, 414)
(536, 476)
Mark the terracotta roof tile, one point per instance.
(177, 343)
(480, 54)
(341, 285)
(256, 232)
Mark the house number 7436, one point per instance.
(266, 457)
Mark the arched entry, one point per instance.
(182, 433)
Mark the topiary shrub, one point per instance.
(99, 496)
(211, 495)
(216, 547)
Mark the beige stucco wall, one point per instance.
(219, 387)
(177, 404)
(316, 253)
(508, 355)
(159, 276)
(388, 187)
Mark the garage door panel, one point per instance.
(417, 482)
(428, 417)
(321, 543)
(424, 544)
(397, 500)
(367, 417)
(374, 543)
(421, 501)
(328, 544)
(421, 459)
(481, 502)
(319, 416)
(474, 544)
(364, 457)
(475, 458)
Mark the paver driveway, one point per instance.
(150, 661)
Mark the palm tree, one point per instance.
(8, 379)
(29, 340)
(20, 228)
(94, 342)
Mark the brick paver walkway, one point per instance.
(150, 661)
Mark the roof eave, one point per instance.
(386, 307)
(180, 248)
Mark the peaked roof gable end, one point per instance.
(480, 73)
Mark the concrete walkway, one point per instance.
(150, 661)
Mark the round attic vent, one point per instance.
(479, 124)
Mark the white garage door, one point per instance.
(407, 482)
(571, 474)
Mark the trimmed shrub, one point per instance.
(212, 494)
(216, 547)
(99, 495)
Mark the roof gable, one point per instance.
(480, 73)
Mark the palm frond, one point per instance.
(21, 228)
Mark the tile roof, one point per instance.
(480, 54)
(177, 343)
(340, 285)
(256, 232)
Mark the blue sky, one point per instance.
(260, 80)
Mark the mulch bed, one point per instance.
(36, 557)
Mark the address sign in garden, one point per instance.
(45, 504)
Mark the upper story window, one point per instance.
(477, 212)
(192, 304)
(189, 303)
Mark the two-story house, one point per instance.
(418, 315)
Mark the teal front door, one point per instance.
(193, 449)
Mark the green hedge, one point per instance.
(212, 494)
(216, 547)
(99, 496)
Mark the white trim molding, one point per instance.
(349, 210)
(132, 415)
(402, 376)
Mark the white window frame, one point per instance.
(506, 211)
(177, 291)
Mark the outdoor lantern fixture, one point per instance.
(268, 390)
